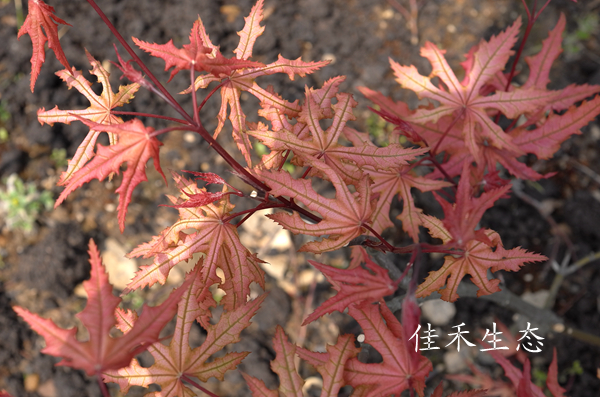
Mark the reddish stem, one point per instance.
(387, 245)
(163, 130)
(209, 95)
(261, 206)
(102, 385)
(439, 142)
(156, 116)
(141, 64)
(196, 385)
(194, 98)
(426, 248)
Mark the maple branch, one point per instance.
(210, 94)
(156, 116)
(439, 142)
(165, 94)
(437, 165)
(239, 170)
(526, 9)
(542, 9)
(194, 97)
(102, 385)
(248, 213)
(196, 385)
(387, 245)
(531, 18)
(426, 248)
(285, 158)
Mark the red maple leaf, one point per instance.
(353, 286)
(101, 352)
(462, 217)
(41, 16)
(324, 145)
(521, 379)
(399, 181)
(399, 370)
(135, 147)
(194, 55)
(461, 129)
(464, 100)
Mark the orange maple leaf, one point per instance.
(216, 239)
(329, 364)
(355, 286)
(99, 111)
(243, 79)
(344, 217)
(135, 147)
(476, 259)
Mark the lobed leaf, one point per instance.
(41, 15)
(102, 352)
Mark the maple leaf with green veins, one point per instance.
(99, 111)
(178, 360)
(102, 352)
(41, 15)
(135, 146)
(343, 218)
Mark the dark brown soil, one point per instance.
(40, 271)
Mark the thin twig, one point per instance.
(586, 170)
(196, 385)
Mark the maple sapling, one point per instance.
(455, 149)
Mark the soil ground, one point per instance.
(43, 270)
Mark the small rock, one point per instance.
(47, 389)
(31, 382)
(120, 269)
(537, 299)
(438, 312)
(455, 362)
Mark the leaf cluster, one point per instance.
(453, 146)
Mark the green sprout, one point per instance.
(59, 157)
(573, 42)
(21, 203)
